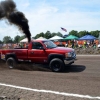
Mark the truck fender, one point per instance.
(55, 55)
(8, 55)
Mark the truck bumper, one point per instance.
(69, 60)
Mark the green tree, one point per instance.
(73, 32)
(22, 37)
(47, 35)
(82, 33)
(7, 39)
(59, 34)
(39, 35)
(17, 39)
(1, 41)
(53, 34)
(95, 33)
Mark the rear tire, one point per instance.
(56, 65)
(11, 63)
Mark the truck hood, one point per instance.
(64, 49)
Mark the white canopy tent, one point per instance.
(56, 38)
(41, 38)
(25, 40)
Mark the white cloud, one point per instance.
(48, 20)
(47, 10)
(9, 30)
(25, 5)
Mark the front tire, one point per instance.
(56, 65)
(11, 63)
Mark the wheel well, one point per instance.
(11, 55)
(55, 56)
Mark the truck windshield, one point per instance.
(50, 44)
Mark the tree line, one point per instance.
(48, 34)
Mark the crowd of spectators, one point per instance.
(70, 43)
(80, 44)
(13, 45)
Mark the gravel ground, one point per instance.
(8, 93)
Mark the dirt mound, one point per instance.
(87, 51)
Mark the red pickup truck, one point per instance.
(40, 51)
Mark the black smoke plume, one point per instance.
(8, 11)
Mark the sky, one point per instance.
(51, 15)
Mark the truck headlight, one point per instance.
(69, 54)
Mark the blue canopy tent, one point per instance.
(87, 37)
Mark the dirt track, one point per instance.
(83, 77)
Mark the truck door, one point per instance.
(37, 54)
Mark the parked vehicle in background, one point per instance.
(40, 51)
